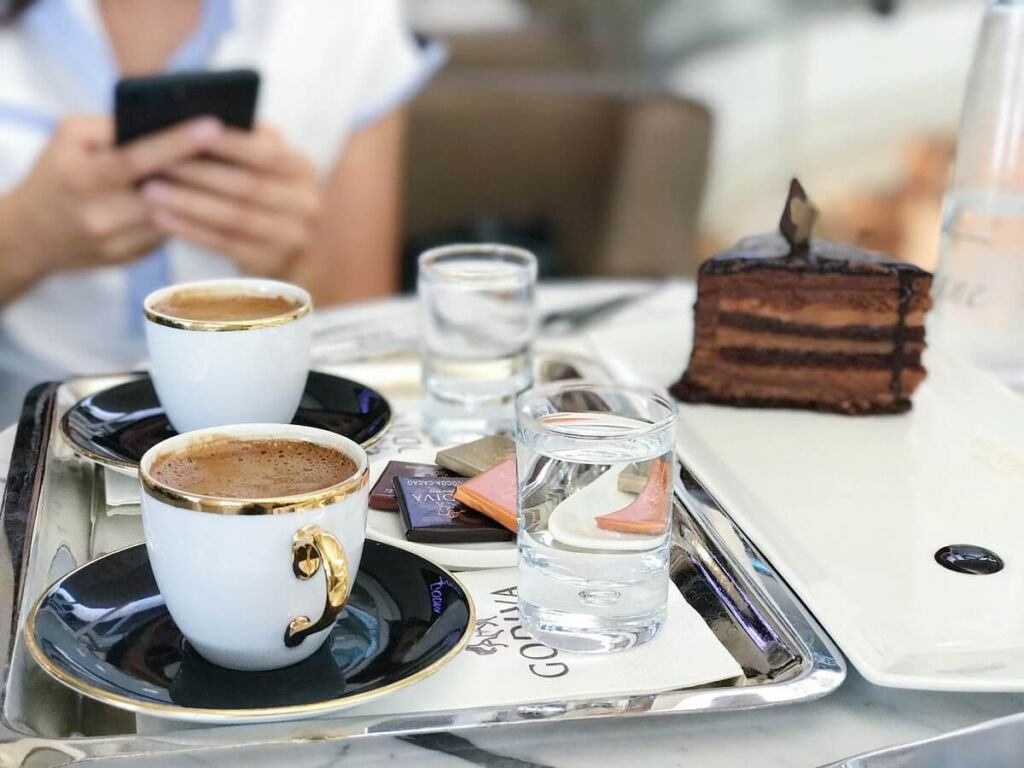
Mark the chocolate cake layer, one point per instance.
(819, 313)
(733, 337)
(801, 358)
(740, 379)
(833, 287)
(688, 392)
(769, 325)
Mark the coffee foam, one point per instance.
(223, 305)
(256, 468)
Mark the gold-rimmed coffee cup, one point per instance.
(211, 368)
(255, 583)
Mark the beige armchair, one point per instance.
(616, 175)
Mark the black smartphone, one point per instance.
(143, 105)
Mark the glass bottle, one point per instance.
(979, 286)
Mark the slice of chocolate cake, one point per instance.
(783, 320)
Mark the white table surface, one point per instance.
(857, 718)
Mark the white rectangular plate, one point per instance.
(851, 511)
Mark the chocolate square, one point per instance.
(383, 494)
(431, 514)
(470, 459)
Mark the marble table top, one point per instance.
(858, 717)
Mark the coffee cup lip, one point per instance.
(224, 505)
(244, 285)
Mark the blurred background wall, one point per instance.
(637, 137)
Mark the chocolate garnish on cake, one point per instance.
(784, 320)
(797, 220)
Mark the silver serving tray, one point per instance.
(55, 517)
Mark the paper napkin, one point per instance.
(503, 666)
(122, 493)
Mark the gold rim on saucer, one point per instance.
(197, 713)
(119, 465)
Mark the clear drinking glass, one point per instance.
(979, 286)
(478, 326)
(595, 469)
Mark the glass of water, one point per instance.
(478, 325)
(595, 470)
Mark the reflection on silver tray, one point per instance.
(54, 514)
(993, 744)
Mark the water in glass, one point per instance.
(585, 453)
(478, 328)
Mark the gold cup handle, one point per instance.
(313, 547)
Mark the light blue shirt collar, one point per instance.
(89, 58)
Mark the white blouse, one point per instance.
(328, 67)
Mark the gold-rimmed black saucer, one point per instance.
(115, 426)
(104, 631)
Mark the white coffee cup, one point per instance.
(255, 583)
(208, 373)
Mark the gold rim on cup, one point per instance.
(281, 505)
(241, 284)
(275, 505)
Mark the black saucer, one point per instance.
(116, 426)
(103, 630)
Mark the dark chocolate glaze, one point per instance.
(771, 251)
(905, 292)
(745, 322)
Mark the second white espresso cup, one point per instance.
(212, 372)
(255, 584)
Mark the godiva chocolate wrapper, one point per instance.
(383, 497)
(432, 515)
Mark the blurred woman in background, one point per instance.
(87, 229)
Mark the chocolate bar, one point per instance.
(492, 493)
(383, 494)
(647, 514)
(470, 459)
(432, 515)
(633, 478)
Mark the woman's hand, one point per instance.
(79, 206)
(251, 198)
